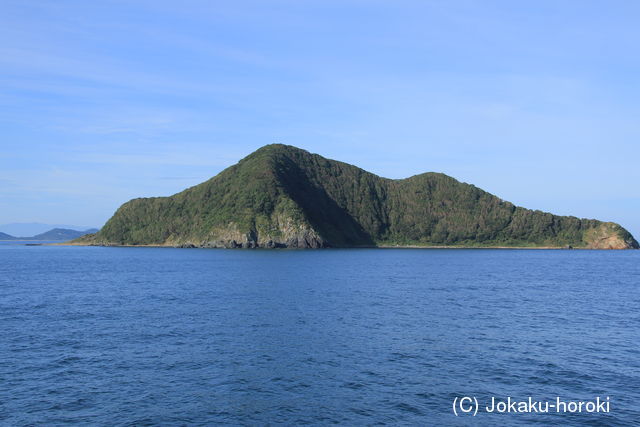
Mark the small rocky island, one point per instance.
(284, 197)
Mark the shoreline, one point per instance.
(348, 247)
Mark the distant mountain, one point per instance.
(282, 196)
(34, 228)
(61, 234)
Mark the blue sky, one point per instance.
(536, 102)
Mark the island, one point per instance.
(56, 234)
(281, 196)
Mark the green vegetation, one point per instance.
(284, 196)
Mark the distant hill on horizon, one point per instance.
(5, 236)
(57, 234)
(63, 234)
(35, 228)
(283, 196)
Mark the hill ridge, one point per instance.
(283, 196)
(61, 234)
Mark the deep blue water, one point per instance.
(148, 336)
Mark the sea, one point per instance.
(161, 336)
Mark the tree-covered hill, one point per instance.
(282, 196)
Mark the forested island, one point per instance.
(281, 196)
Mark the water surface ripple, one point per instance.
(149, 336)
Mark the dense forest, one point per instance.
(282, 196)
